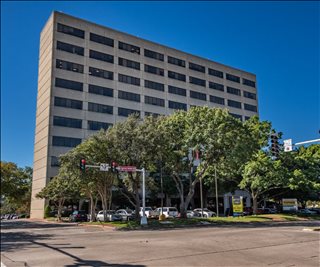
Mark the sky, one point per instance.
(278, 41)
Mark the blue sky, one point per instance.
(278, 41)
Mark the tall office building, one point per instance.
(92, 76)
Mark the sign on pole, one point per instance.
(287, 144)
(104, 167)
(127, 168)
(237, 205)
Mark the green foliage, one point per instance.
(47, 211)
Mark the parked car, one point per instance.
(307, 212)
(78, 216)
(169, 212)
(111, 216)
(148, 211)
(193, 214)
(126, 214)
(317, 210)
(206, 213)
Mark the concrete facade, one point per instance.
(56, 104)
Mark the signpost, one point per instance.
(237, 205)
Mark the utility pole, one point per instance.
(216, 186)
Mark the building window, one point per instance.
(216, 86)
(125, 112)
(246, 118)
(234, 104)
(154, 101)
(65, 141)
(97, 125)
(67, 103)
(73, 49)
(233, 91)
(129, 63)
(197, 81)
(177, 90)
(101, 73)
(154, 85)
(146, 113)
(130, 48)
(250, 107)
(70, 30)
(55, 161)
(237, 116)
(129, 96)
(128, 79)
(198, 95)
(249, 95)
(101, 39)
(153, 54)
(154, 70)
(196, 67)
(176, 76)
(176, 61)
(99, 90)
(94, 107)
(248, 82)
(70, 66)
(216, 73)
(233, 78)
(67, 122)
(101, 56)
(217, 100)
(67, 84)
(177, 105)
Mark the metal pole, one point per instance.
(161, 188)
(216, 186)
(143, 218)
(201, 198)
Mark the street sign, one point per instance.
(104, 167)
(287, 144)
(127, 168)
(237, 205)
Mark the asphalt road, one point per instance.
(25, 243)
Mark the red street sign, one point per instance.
(127, 168)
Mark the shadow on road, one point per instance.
(18, 224)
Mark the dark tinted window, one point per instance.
(66, 65)
(67, 122)
(129, 63)
(154, 101)
(65, 141)
(129, 79)
(177, 105)
(216, 73)
(216, 86)
(154, 85)
(250, 107)
(67, 103)
(129, 96)
(197, 81)
(153, 54)
(177, 90)
(217, 100)
(176, 76)
(233, 91)
(198, 95)
(249, 95)
(101, 39)
(233, 78)
(248, 82)
(235, 104)
(176, 61)
(125, 112)
(101, 56)
(55, 161)
(101, 73)
(154, 70)
(97, 125)
(237, 116)
(99, 90)
(68, 84)
(100, 108)
(128, 47)
(70, 30)
(151, 114)
(246, 118)
(196, 67)
(70, 48)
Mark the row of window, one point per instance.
(148, 53)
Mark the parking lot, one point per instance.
(31, 243)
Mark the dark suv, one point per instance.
(78, 216)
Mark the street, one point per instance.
(32, 243)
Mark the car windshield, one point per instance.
(129, 211)
(206, 210)
(172, 209)
(147, 209)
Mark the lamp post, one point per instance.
(216, 186)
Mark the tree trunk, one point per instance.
(255, 203)
(60, 205)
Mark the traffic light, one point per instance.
(114, 166)
(82, 165)
(274, 145)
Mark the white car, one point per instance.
(148, 211)
(126, 214)
(206, 213)
(110, 216)
(169, 212)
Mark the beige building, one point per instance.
(92, 76)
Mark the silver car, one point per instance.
(126, 214)
(111, 216)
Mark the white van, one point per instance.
(169, 212)
(147, 210)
